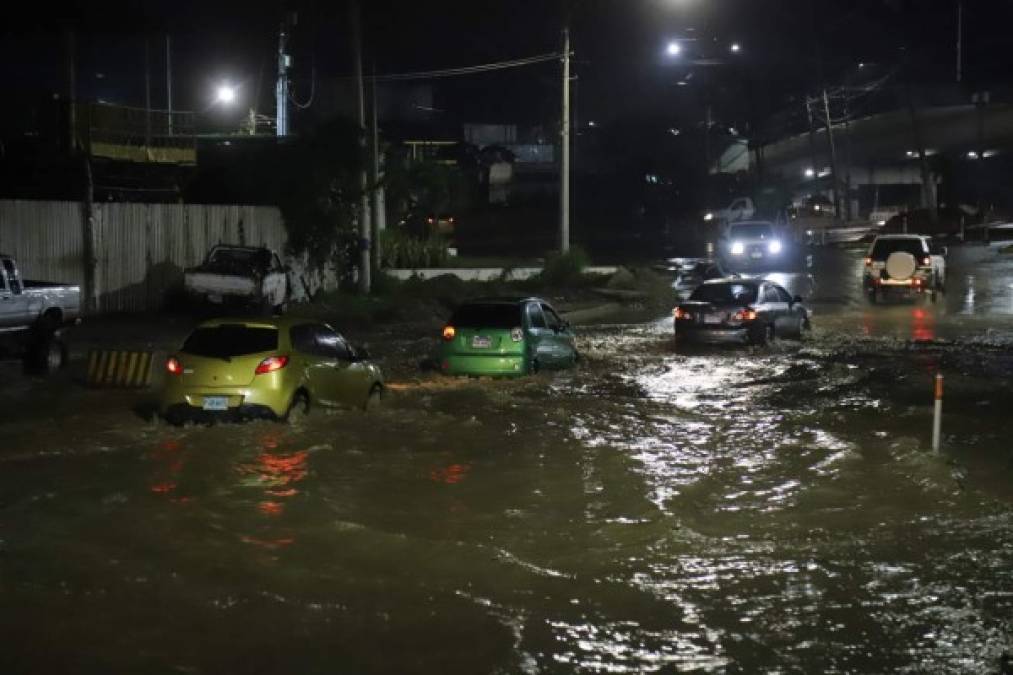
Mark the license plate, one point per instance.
(755, 255)
(712, 318)
(216, 403)
(481, 342)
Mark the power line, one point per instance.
(466, 70)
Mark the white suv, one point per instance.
(907, 263)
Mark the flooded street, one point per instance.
(656, 510)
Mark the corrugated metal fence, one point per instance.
(142, 249)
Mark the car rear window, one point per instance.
(487, 315)
(725, 293)
(228, 340)
(751, 231)
(882, 249)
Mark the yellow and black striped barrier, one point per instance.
(118, 368)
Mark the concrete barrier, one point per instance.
(483, 273)
(119, 368)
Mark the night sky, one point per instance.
(788, 46)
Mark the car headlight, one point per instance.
(774, 246)
(738, 248)
(708, 216)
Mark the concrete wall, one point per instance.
(142, 249)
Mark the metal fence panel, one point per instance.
(142, 249)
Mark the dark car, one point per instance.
(740, 311)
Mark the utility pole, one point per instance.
(960, 37)
(564, 173)
(168, 82)
(147, 92)
(379, 201)
(70, 45)
(281, 87)
(812, 137)
(833, 155)
(360, 100)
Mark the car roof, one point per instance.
(279, 322)
(501, 301)
(750, 222)
(745, 281)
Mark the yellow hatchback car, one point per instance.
(277, 368)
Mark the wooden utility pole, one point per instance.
(833, 155)
(564, 163)
(147, 93)
(168, 83)
(379, 201)
(365, 282)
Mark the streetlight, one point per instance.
(674, 48)
(226, 94)
(735, 48)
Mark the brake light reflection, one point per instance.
(173, 365)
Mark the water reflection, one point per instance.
(276, 473)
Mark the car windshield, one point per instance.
(487, 315)
(882, 249)
(720, 294)
(228, 340)
(751, 231)
(240, 257)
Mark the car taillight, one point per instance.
(271, 364)
(430, 220)
(868, 262)
(516, 334)
(745, 315)
(680, 314)
(173, 366)
(449, 332)
(926, 261)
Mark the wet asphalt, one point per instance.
(656, 510)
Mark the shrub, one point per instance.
(565, 269)
(400, 249)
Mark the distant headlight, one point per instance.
(738, 248)
(708, 216)
(774, 246)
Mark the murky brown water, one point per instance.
(722, 511)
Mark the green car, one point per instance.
(505, 337)
(275, 368)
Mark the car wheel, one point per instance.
(796, 330)
(46, 355)
(760, 334)
(299, 409)
(374, 399)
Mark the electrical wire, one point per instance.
(313, 92)
(466, 70)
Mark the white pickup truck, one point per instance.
(240, 275)
(32, 316)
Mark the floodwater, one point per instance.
(750, 510)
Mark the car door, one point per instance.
(275, 286)
(349, 379)
(561, 338)
(317, 365)
(8, 311)
(768, 306)
(795, 311)
(14, 310)
(539, 335)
